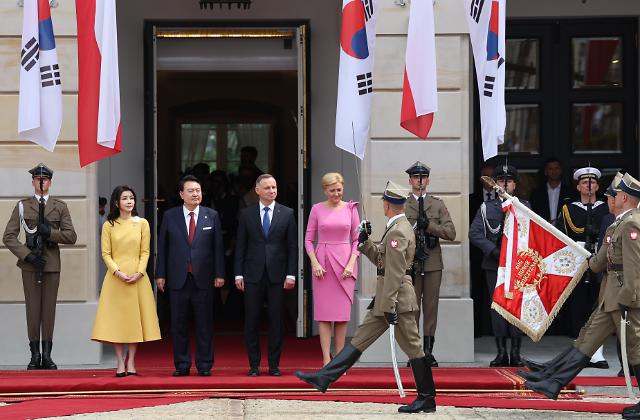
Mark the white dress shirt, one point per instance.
(187, 218)
(46, 198)
(397, 216)
(554, 197)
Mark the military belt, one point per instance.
(381, 272)
(614, 267)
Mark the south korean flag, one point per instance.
(40, 102)
(355, 79)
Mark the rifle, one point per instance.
(39, 240)
(588, 231)
(424, 241)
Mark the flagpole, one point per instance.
(355, 161)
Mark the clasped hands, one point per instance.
(319, 271)
(128, 279)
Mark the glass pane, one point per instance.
(523, 129)
(522, 64)
(198, 144)
(253, 135)
(597, 128)
(597, 62)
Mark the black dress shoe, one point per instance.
(275, 371)
(121, 374)
(132, 373)
(602, 364)
(181, 372)
(253, 372)
(204, 373)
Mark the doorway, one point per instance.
(227, 104)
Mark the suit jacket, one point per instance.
(206, 252)
(540, 200)
(440, 226)
(277, 253)
(623, 249)
(393, 254)
(485, 232)
(56, 215)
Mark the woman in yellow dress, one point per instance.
(126, 310)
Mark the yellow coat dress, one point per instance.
(126, 311)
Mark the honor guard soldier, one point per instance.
(486, 234)
(580, 220)
(620, 257)
(430, 224)
(394, 304)
(46, 223)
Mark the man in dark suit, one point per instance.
(547, 200)
(190, 259)
(265, 264)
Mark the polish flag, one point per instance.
(419, 91)
(99, 130)
(40, 100)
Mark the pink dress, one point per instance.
(337, 240)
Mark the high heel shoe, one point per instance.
(132, 373)
(121, 374)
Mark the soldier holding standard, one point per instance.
(47, 223)
(430, 225)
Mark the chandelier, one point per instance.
(242, 4)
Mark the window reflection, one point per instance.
(597, 128)
(522, 64)
(597, 62)
(522, 133)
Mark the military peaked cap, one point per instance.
(419, 168)
(611, 189)
(394, 193)
(42, 171)
(586, 172)
(630, 185)
(505, 171)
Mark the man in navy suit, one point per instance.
(190, 262)
(265, 265)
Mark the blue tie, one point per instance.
(266, 223)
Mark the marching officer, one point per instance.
(39, 260)
(581, 220)
(485, 233)
(394, 304)
(621, 259)
(427, 266)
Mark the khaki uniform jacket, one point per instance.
(623, 249)
(393, 254)
(440, 226)
(57, 215)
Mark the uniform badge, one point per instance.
(633, 235)
(608, 239)
(394, 243)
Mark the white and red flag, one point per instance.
(486, 20)
(40, 100)
(99, 134)
(355, 77)
(539, 268)
(420, 88)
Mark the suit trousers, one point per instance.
(427, 287)
(407, 334)
(40, 301)
(255, 295)
(201, 301)
(501, 328)
(601, 325)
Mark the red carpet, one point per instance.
(602, 381)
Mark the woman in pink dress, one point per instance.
(333, 261)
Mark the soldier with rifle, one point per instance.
(46, 223)
(431, 222)
(581, 220)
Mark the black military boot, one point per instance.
(332, 370)
(502, 359)
(550, 387)
(426, 399)
(514, 355)
(428, 350)
(36, 358)
(47, 363)
(537, 367)
(633, 411)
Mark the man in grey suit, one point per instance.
(265, 265)
(486, 234)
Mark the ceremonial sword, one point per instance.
(623, 348)
(396, 372)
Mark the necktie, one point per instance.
(192, 233)
(488, 196)
(192, 226)
(266, 223)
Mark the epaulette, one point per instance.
(435, 198)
